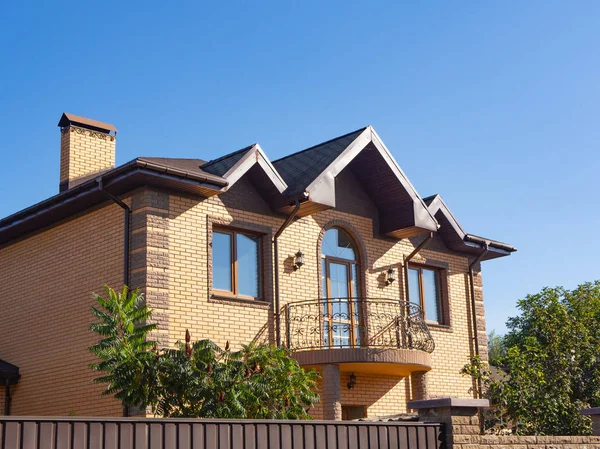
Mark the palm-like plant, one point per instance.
(127, 359)
(199, 380)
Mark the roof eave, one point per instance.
(120, 180)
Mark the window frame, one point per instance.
(439, 272)
(234, 293)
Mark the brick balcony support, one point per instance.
(418, 381)
(332, 406)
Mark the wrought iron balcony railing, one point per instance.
(330, 323)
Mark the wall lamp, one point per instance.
(391, 276)
(299, 261)
(352, 382)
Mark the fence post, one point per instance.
(593, 413)
(460, 417)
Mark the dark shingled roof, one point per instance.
(189, 165)
(222, 165)
(429, 199)
(299, 169)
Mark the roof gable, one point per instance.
(235, 165)
(402, 212)
(222, 165)
(301, 168)
(457, 239)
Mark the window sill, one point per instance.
(439, 327)
(235, 300)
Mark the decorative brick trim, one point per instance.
(87, 132)
(240, 302)
(150, 260)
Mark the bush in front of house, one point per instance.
(193, 380)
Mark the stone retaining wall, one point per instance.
(525, 442)
(462, 428)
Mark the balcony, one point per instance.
(378, 336)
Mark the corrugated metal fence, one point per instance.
(134, 433)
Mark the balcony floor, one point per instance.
(387, 361)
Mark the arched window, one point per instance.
(341, 290)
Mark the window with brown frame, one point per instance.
(236, 264)
(425, 290)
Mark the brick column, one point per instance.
(332, 407)
(593, 413)
(460, 417)
(418, 383)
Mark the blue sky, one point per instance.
(494, 105)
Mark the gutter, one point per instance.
(110, 177)
(277, 301)
(490, 243)
(486, 248)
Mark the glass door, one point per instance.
(340, 310)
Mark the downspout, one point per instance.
(7, 397)
(408, 258)
(285, 224)
(473, 307)
(126, 226)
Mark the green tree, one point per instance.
(127, 362)
(551, 368)
(496, 348)
(194, 380)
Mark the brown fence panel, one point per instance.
(145, 433)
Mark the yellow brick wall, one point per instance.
(45, 300)
(190, 308)
(83, 152)
(380, 395)
(50, 277)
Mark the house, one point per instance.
(329, 251)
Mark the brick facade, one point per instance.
(47, 285)
(48, 280)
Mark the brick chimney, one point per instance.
(87, 147)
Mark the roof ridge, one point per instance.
(213, 161)
(174, 158)
(319, 144)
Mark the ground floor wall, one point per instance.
(45, 313)
(380, 395)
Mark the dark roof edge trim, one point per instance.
(211, 179)
(110, 175)
(492, 243)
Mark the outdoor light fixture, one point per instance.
(391, 276)
(299, 260)
(352, 381)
